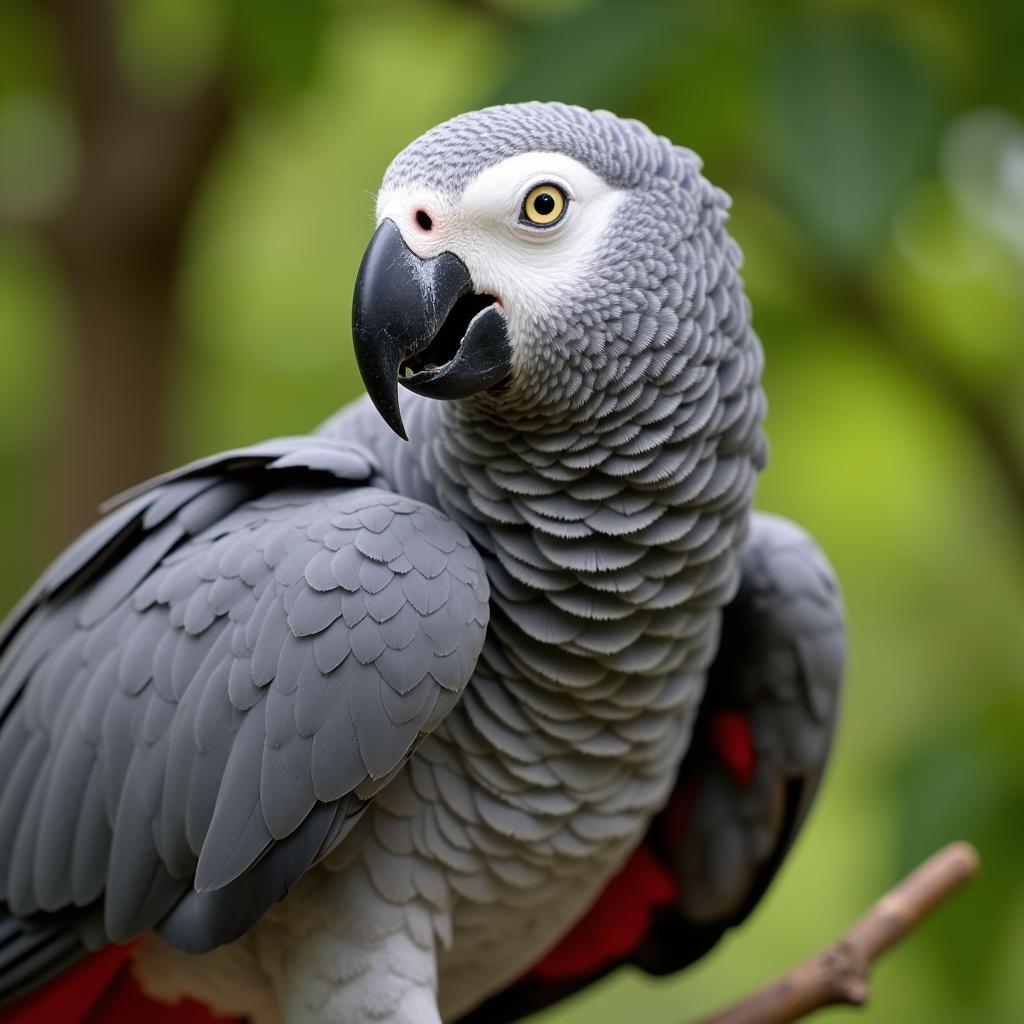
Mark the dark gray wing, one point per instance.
(759, 748)
(202, 693)
(774, 690)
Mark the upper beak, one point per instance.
(405, 307)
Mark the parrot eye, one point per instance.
(544, 205)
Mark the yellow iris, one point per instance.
(544, 205)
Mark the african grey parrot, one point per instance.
(340, 728)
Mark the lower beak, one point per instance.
(423, 313)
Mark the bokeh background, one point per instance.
(186, 187)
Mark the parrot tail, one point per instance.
(97, 988)
(30, 955)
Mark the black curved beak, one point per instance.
(419, 323)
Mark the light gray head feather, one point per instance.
(661, 289)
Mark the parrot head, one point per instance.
(538, 258)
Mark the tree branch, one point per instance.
(839, 974)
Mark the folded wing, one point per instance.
(199, 698)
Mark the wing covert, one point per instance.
(200, 696)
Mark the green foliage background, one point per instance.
(875, 155)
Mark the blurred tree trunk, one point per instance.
(118, 246)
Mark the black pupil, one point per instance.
(544, 203)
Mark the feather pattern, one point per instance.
(743, 791)
(177, 713)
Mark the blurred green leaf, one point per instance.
(598, 55)
(958, 285)
(276, 45)
(983, 160)
(34, 371)
(851, 117)
(27, 60)
(968, 782)
(998, 28)
(37, 154)
(169, 47)
(32, 317)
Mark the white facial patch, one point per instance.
(527, 268)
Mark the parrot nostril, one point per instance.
(423, 219)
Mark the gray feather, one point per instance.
(139, 889)
(237, 835)
(204, 920)
(187, 722)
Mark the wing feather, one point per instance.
(192, 695)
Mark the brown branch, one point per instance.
(839, 974)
